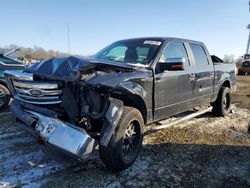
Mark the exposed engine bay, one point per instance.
(91, 107)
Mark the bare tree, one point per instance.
(238, 61)
(229, 58)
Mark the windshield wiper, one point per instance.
(138, 64)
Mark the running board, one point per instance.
(171, 124)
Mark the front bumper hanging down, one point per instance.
(56, 133)
(61, 135)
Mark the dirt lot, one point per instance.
(203, 152)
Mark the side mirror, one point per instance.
(173, 64)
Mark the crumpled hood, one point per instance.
(69, 68)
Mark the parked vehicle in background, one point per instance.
(13, 54)
(6, 63)
(73, 104)
(245, 66)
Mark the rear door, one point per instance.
(204, 74)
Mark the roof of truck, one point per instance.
(161, 39)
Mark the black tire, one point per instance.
(222, 105)
(119, 154)
(4, 97)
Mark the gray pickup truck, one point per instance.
(75, 104)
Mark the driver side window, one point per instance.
(173, 50)
(117, 53)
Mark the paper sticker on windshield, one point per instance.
(158, 43)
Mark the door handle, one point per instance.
(191, 75)
(211, 73)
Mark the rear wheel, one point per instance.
(125, 144)
(4, 97)
(222, 106)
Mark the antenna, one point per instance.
(68, 38)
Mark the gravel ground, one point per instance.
(203, 152)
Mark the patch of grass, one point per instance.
(242, 94)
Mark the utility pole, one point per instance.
(248, 42)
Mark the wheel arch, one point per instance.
(226, 83)
(223, 83)
(135, 101)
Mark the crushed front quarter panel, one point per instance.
(113, 115)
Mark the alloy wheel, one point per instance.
(131, 139)
(226, 101)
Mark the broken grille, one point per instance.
(30, 91)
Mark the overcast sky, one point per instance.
(220, 24)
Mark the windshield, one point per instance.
(247, 56)
(246, 64)
(16, 57)
(130, 51)
(8, 61)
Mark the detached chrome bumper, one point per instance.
(52, 131)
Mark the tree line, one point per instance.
(35, 53)
(232, 59)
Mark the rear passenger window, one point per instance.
(200, 56)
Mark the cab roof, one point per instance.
(160, 39)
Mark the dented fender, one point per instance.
(133, 88)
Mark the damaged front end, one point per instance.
(70, 112)
(59, 134)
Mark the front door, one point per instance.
(173, 89)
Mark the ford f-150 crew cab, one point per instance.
(76, 105)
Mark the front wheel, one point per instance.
(222, 105)
(4, 97)
(125, 144)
